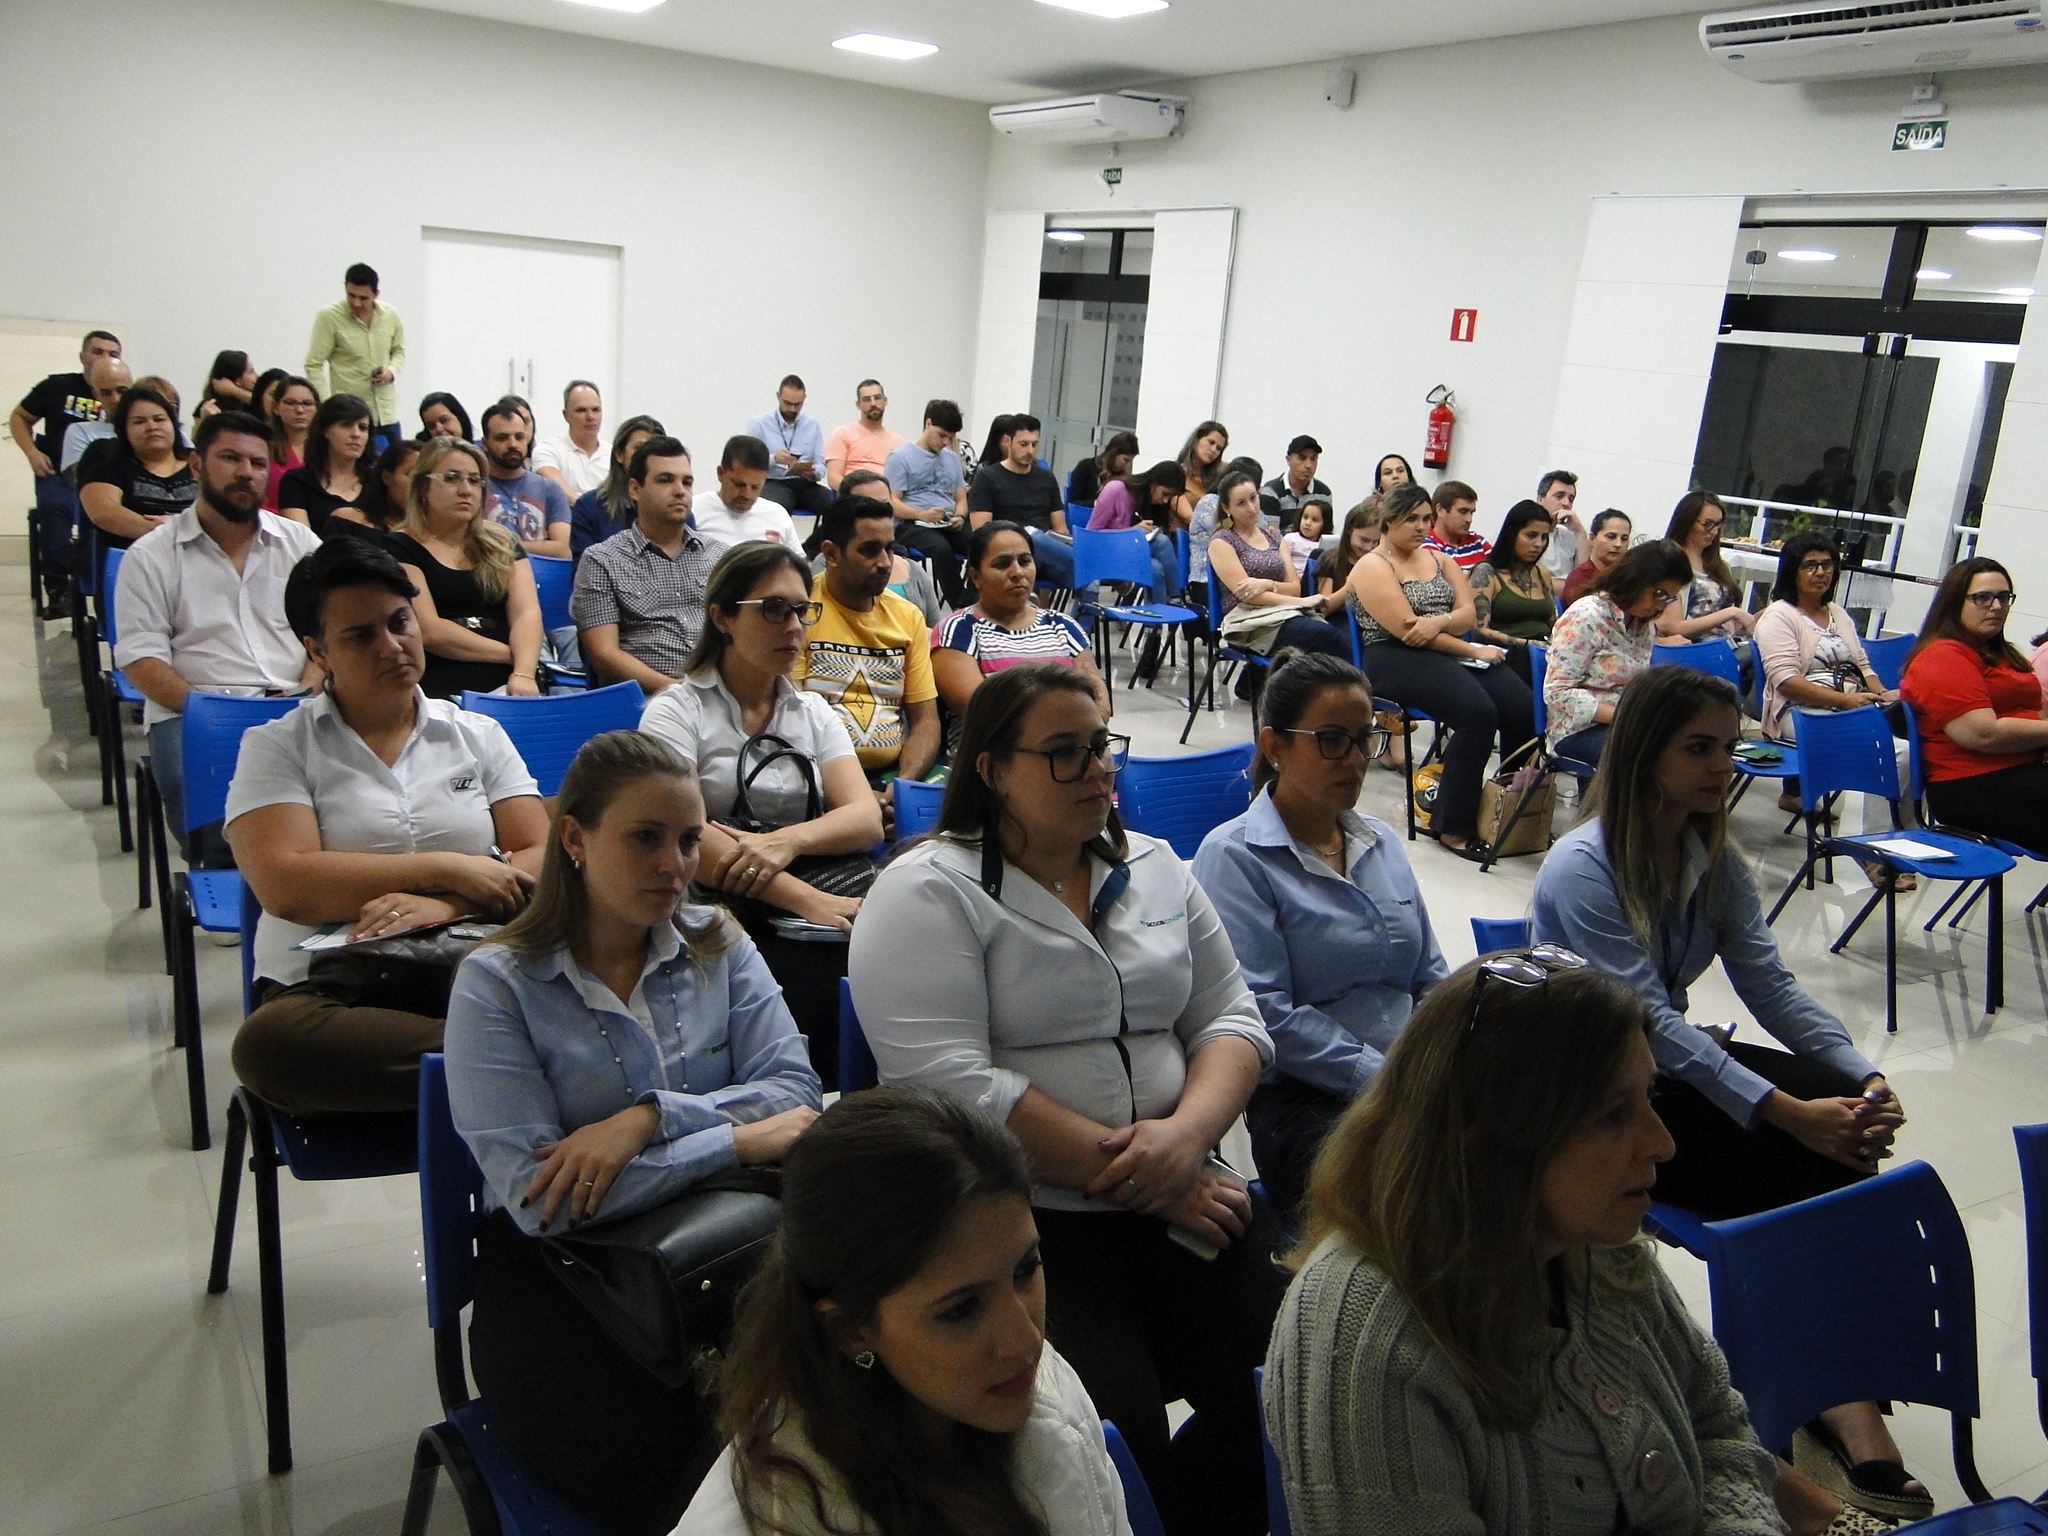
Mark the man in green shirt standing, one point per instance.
(361, 345)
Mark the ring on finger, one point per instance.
(586, 1183)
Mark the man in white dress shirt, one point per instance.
(578, 462)
(796, 450)
(200, 604)
(737, 510)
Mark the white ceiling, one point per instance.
(1000, 50)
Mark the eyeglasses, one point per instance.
(457, 477)
(1993, 599)
(1522, 968)
(777, 610)
(1069, 763)
(1816, 567)
(1664, 599)
(1707, 526)
(1336, 745)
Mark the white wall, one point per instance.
(1464, 177)
(205, 169)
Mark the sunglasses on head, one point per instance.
(1531, 967)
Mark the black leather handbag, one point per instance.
(410, 972)
(836, 874)
(663, 1283)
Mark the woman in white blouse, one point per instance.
(801, 779)
(1072, 979)
(372, 806)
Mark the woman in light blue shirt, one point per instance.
(1323, 910)
(606, 1052)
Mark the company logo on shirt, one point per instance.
(462, 784)
(866, 686)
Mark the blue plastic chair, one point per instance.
(203, 898)
(917, 806)
(496, 1493)
(1278, 1521)
(107, 694)
(1851, 750)
(1797, 1323)
(1182, 799)
(1144, 1514)
(1409, 715)
(1125, 555)
(1716, 656)
(1550, 760)
(549, 730)
(315, 1149)
(1493, 934)
(857, 1069)
(1887, 657)
(554, 580)
(1219, 650)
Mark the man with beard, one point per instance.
(533, 508)
(200, 605)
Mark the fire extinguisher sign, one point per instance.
(1464, 324)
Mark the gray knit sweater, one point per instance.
(1639, 1431)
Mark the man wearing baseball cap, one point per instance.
(1299, 484)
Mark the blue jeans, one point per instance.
(56, 513)
(1055, 557)
(1583, 746)
(205, 847)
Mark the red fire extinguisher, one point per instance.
(1436, 450)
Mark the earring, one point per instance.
(576, 863)
(865, 1359)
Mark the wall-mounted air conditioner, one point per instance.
(1785, 44)
(1108, 118)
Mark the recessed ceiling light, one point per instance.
(884, 47)
(2004, 232)
(1933, 275)
(1806, 255)
(2017, 293)
(1065, 236)
(1113, 10)
(620, 5)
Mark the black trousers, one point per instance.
(799, 495)
(809, 977)
(1145, 1323)
(581, 1414)
(2011, 803)
(1288, 1121)
(1723, 1170)
(1476, 706)
(944, 548)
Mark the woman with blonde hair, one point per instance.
(609, 1050)
(479, 611)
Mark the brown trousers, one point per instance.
(309, 1054)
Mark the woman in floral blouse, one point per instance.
(1603, 641)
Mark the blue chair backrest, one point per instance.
(1492, 934)
(1797, 1323)
(1308, 577)
(1539, 665)
(2033, 1148)
(110, 576)
(555, 579)
(1352, 636)
(1887, 656)
(1215, 591)
(1714, 655)
(1181, 799)
(1078, 513)
(251, 911)
(1916, 780)
(1144, 1514)
(1278, 1522)
(549, 730)
(1115, 554)
(212, 734)
(1849, 749)
(1182, 551)
(451, 1200)
(857, 1069)
(917, 807)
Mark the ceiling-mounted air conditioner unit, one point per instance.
(1787, 44)
(1111, 117)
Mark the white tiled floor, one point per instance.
(131, 1403)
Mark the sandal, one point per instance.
(1856, 1522)
(1874, 1487)
(1902, 881)
(1474, 850)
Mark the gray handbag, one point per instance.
(410, 972)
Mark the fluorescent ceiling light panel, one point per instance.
(1065, 236)
(1110, 10)
(884, 47)
(2017, 293)
(2004, 232)
(1933, 275)
(1806, 255)
(619, 5)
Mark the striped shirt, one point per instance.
(656, 601)
(1465, 555)
(1050, 636)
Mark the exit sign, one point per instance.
(1932, 135)
(1464, 323)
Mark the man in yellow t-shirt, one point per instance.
(870, 654)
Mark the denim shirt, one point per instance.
(1577, 905)
(1336, 962)
(538, 1047)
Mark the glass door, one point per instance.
(1090, 352)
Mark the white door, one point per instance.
(521, 317)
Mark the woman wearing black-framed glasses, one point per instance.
(1323, 910)
(1977, 705)
(1034, 958)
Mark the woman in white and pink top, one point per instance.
(1603, 642)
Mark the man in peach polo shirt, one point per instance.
(863, 443)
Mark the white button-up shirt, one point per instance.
(436, 798)
(581, 472)
(181, 601)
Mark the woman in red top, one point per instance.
(1978, 707)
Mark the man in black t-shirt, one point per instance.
(56, 403)
(1019, 491)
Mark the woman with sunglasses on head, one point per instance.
(1651, 889)
(1328, 923)
(1072, 979)
(1713, 603)
(777, 758)
(1977, 705)
(1478, 1340)
(1603, 642)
